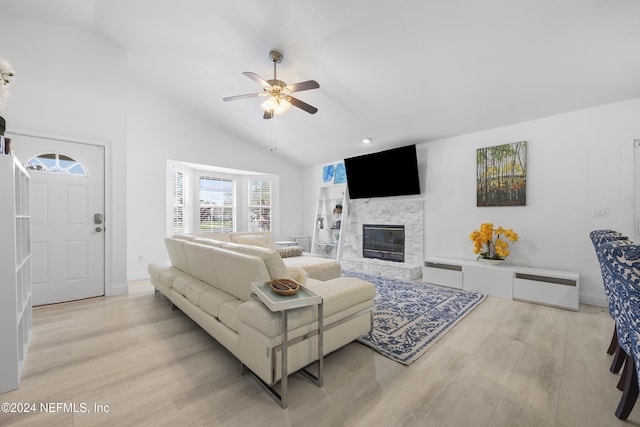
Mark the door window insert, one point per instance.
(56, 163)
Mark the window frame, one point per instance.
(240, 178)
(58, 167)
(250, 207)
(224, 207)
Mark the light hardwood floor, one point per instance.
(507, 363)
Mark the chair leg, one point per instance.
(614, 341)
(630, 393)
(618, 360)
(623, 377)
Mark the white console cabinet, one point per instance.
(550, 287)
(15, 271)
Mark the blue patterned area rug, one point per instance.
(410, 317)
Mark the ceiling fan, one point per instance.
(278, 92)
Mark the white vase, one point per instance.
(491, 261)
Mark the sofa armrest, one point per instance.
(298, 274)
(315, 267)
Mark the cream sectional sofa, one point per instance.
(210, 281)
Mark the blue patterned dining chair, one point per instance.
(599, 238)
(623, 261)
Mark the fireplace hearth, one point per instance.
(383, 241)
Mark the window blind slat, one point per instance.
(177, 222)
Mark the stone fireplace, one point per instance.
(409, 214)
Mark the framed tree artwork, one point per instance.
(501, 173)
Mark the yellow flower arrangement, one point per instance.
(485, 245)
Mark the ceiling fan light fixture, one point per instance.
(279, 93)
(277, 105)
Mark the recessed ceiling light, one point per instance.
(366, 140)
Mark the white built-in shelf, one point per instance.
(327, 233)
(543, 286)
(15, 271)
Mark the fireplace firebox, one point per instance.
(383, 242)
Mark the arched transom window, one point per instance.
(56, 163)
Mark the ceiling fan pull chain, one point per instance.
(273, 134)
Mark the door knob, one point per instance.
(98, 229)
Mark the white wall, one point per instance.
(577, 162)
(157, 132)
(71, 83)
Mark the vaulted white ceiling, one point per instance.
(398, 72)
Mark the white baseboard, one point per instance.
(594, 299)
(137, 276)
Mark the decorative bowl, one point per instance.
(284, 286)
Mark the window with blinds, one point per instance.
(217, 205)
(177, 224)
(259, 205)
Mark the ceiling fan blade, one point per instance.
(268, 114)
(256, 78)
(298, 87)
(303, 105)
(249, 95)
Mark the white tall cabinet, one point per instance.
(15, 271)
(332, 208)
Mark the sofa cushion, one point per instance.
(263, 239)
(290, 251)
(270, 257)
(256, 315)
(228, 314)
(208, 242)
(194, 290)
(342, 293)
(164, 273)
(181, 282)
(236, 271)
(250, 239)
(175, 248)
(315, 267)
(211, 300)
(188, 237)
(200, 263)
(221, 237)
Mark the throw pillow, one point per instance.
(290, 251)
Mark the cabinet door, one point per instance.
(489, 280)
(441, 274)
(558, 292)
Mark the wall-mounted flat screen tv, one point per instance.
(386, 173)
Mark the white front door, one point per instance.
(67, 218)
